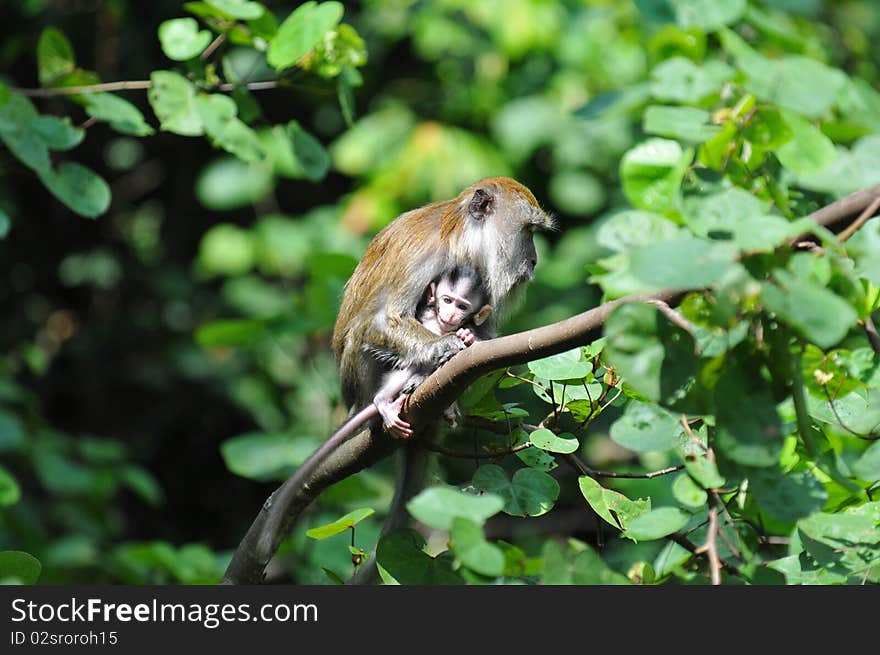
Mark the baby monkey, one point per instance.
(451, 304)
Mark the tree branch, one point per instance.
(335, 461)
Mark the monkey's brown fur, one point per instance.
(488, 226)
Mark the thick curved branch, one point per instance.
(334, 462)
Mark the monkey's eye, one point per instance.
(463, 307)
(446, 299)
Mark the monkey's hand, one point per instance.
(443, 349)
(391, 420)
(467, 337)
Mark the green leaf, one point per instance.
(789, 496)
(241, 9)
(680, 80)
(704, 471)
(546, 440)
(55, 57)
(142, 483)
(657, 524)
(612, 506)
(312, 157)
(341, 524)
(652, 173)
(568, 365)
(402, 560)
(721, 212)
(685, 263)
(707, 14)
(529, 493)
(688, 492)
(644, 427)
(473, 550)
(262, 456)
(230, 333)
(119, 113)
(753, 437)
(227, 249)
(766, 233)
(173, 99)
(19, 567)
(57, 133)
(438, 506)
(630, 228)
(809, 151)
(5, 224)
(683, 123)
(12, 435)
(17, 115)
(867, 466)
(583, 567)
(819, 314)
(182, 39)
(78, 187)
(10, 492)
(534, 457)
(218, 114)
(301, 31)
(229, 183)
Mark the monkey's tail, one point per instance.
(278, 502)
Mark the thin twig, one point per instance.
(443, 450)
(677, 319)
(873, 335)
(853, 227)
(214, 45)
(711, 547)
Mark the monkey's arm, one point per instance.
(411, 342)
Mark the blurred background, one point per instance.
(163, 366)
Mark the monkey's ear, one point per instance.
(481, 316)
(481, 204)
(432, 294)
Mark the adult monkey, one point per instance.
(488, 226)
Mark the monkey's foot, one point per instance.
(391, 420)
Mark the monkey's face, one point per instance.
(454, 303)
(507, 215)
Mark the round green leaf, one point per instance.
(605, 501)
(438, 506)
(341, 524)
(568, 365)
(809, 150)
(680, 80)
(546, 440)
(628, 229)
(657, 524)
(473, 550)
(119, 113)
(683, 123)
(227, 249)
(262, 456)
(685, 263)
(301, 31)
(218, 112)
(583, 567)
(867, 466)
(652, 173)
(644, 427)
(530, 493)
(819, 314)
(576, 192)
(789, 496)
(241, 9)
(688, 492)
(704, 471)
(57, 133)
(10, 493)
(402, 560)
(19, 567)
(182, 39)
(721, 212)
(12, 434)
(707, 14)
(312, 157)
(173, 98)
(229, 183)
(534, 457)
(78, 187)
